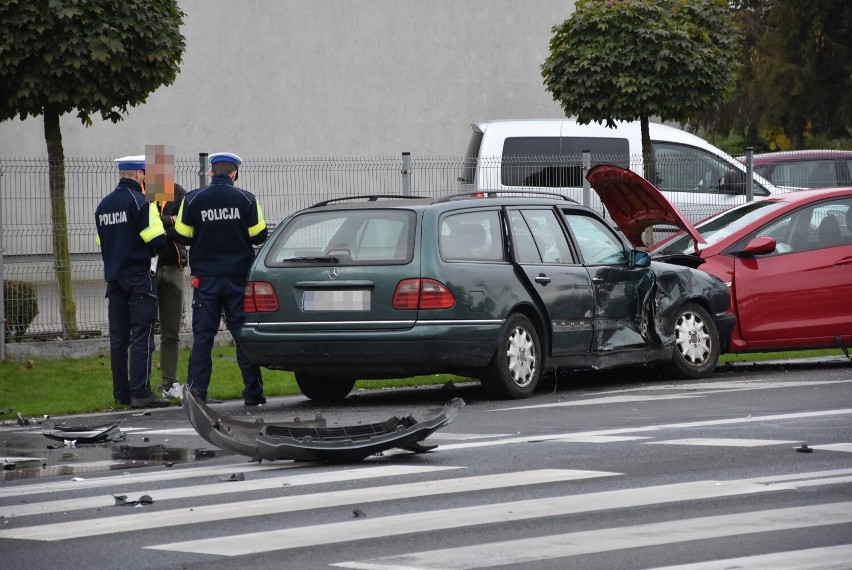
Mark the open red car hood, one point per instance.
(635, 204)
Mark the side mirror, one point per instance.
(639, 258)
(761, 245)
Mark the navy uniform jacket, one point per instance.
(221, 223)
(129, 230)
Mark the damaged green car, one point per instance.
(496, 287)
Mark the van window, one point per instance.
(556, 162)
(683, 168)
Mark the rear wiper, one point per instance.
(329, 259)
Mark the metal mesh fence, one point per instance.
(282, 187)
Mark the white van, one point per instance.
(546, 155)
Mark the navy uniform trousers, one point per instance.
(210, 295)
(132, 309)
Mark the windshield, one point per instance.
(722, 225)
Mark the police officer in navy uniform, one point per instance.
(129, 231)
(222, 224)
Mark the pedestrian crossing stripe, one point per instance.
(277, 505)
(231, 487)
(446, 519)
(722, 442)
(167, 474)
(528, 550)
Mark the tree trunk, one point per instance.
(59, 221)
(649, 168)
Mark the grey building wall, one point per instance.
(293, 78)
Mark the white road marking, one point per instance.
(827, 558)
(721, 442)
(277, 505)
(168, 431)
(847, 447)
(600, 438)
(601, 401)
(692, 390)
(221, 488)
(443, 519)
(444, 435)
(646, 429)
(522, 551)
(132, 479)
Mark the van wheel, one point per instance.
(515, 369)
(324, 388)
(696, 343)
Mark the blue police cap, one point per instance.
(131, 162)
(225, 157)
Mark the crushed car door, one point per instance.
(623, 294)
(541, 250)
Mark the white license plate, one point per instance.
(343, 300)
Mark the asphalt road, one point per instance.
(599, 471)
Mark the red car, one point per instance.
(787, 259)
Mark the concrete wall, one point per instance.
(294, 78)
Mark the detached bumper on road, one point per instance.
(311, 440)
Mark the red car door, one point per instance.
(802, 296)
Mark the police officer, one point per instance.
(129, 230)
(221, 223)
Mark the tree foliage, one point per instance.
(92, 56)
(634, 59)
(89, 56)
(797, 75)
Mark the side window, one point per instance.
(816, 227)
(596, 241)
(556, 162)
(472, 236)
(682, 168)
(538, 237)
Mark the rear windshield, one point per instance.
(557, 162)
(345, 237)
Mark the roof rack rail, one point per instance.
(509, 193)
(368, 198)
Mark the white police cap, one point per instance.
(225, 157)
(131, 162)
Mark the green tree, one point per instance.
(623, 60)
(797, 75)
(92, 56)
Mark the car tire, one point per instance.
(696, 343)
(324, 388)
(515, 370)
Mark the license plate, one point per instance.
(342, 300)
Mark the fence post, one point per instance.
(406, 174)
(203, 169)
(749, 174)
(587, 190)
(2, 281)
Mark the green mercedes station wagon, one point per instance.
(497, 287)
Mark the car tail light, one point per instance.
(260, 298)
(422, 294)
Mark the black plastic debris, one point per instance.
(80, 435)
(358, 514)
(233, 477)
(804, 448)
(312, 440)
(121, 500)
